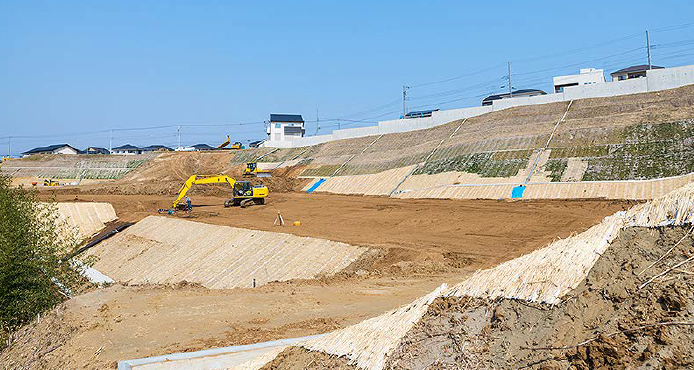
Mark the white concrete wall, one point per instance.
(658, 79)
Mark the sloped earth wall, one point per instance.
(163, 250)
(528, 281)
(620, 138)
(86, 218)
(75, 166)
(608, 309)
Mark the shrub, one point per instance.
(35, 272)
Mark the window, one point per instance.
(278, 125)
(621, 77)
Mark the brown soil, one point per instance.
(96, 329)
(301, 358)
(420, 244)
(607, 309)
(437, 233)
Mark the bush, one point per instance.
(35, 273)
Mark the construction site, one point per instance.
(546, 236)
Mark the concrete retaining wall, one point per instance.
(636, 190)
(381, 183)
(164, 250)
(656, 80)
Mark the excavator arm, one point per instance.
(225, 143)
(199, 180)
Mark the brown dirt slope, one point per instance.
(620, 325)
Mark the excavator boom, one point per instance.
(199, 180)
(225, 143)
(244, 193)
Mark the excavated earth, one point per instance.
(607, 322)
(423, 243)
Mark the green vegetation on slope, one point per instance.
(34, 276)
(500, 164)
(647, 151)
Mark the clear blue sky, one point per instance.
(69, 68)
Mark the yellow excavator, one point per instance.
(225, 143)
(253, 171)
(245, 194)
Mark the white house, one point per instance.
(285, 127)
(586, 76)
(126, 149)
(52, 149)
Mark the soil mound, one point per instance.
(165, 174)
(611, 321)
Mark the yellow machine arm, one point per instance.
(225, 143)
(202, 179)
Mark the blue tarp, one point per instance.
(315, 186)
(517, 192)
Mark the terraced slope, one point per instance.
(634, 137)
(74, 166)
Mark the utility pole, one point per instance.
(317, 123)
(110, 142)
(179, 135)
(404, 100)
(510, 89)
(9, 146)
(648, 50)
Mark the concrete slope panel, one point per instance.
(86, 218)
(163, 250)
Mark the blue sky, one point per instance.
(70, 71)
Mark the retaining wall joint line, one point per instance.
(354, 155)
(539, 153)
(395, 190)
(268, 153)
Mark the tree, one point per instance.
(35, 271)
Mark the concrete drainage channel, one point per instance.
(218, 358)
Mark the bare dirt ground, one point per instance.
(424, 243)
(96, 329)
(419, 244)
(478, 233)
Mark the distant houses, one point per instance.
(203, 147)
(632, 72)
(126, 149)
(52, 149)
(96, 150)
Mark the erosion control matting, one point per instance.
(607, 322)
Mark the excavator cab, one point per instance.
(243, 189)
(246, 194)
